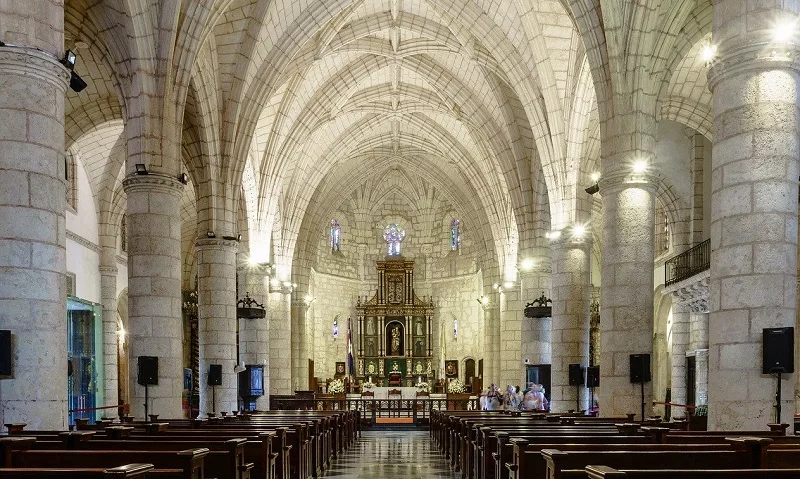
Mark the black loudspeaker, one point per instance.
(593, 377)
(215, 375)
(575, 375)
(640, 368)
(5, 352)
(778, 351)
(187, 379)
(148, 370)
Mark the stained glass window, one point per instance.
(336, 235)
(455, 235)
(393, 234)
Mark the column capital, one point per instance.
(621, 178)
(568, 241)
(755, 56)
(216, 243)
(108, 270)
(32, 62)
(152, 181)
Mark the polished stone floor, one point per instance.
(392, 455)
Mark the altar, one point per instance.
(382, 392)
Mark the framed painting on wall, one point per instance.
(340, 369)
(451, 369)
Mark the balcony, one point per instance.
(688, 263)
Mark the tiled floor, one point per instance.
(392, 455)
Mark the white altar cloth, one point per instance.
(382, 392)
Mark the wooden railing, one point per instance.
(688, 263)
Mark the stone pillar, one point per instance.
(216, 312)
(108, 294)
(680, 341)
(490, 356)
(754, 219)
(280, 345)
(536, 333)
(698, 343)
(154, 290)
(32, 214)
(254, 333)
(627, 288)
(570, 324)
(512, 371)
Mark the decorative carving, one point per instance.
(538, 308)
(249, 308)
(693, 292)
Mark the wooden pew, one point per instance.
(129, 471)
(605, 472)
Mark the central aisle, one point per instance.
(392, 455)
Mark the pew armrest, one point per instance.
(603, 472)
(130, 470)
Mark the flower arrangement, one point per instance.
(336, 387)
(368, 385)
(423, 387)
(455, 387)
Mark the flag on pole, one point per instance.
(351, 368)
(443, 344)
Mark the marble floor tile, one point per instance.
(392, 455)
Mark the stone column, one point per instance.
(570, 324)
(754, 218)
(536, 333)
(254, 333)
(698, 343)
(154, 290)
(510, 340)
(627, 288)
(280, 345)
(108, 294)
(490, 355)
(680, 341)
(216, 312)
(32, 214)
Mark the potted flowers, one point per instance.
(423, 387)
(368, 385)
(456, 399)
(455, 386)
(336, 387)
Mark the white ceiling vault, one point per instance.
(288, 106)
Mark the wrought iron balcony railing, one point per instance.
(688, 263)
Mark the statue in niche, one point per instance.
(419, 348)
(371, 347)
(370, 327)
(394, 340)
(419, 328)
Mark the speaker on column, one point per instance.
(5, 352)
(148, 370)
(215, 375)
(593, 377)
(575, 375)
(778, 350)
(640, 368)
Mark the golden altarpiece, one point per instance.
(395, 341)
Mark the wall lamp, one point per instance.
(183, 178)
(483, 300)
(211, 234)
(141, 169)
(76, 83)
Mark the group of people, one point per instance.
(532, 399)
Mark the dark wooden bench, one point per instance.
(129, 471)
(605, 472)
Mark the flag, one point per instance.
(443, 343)
(351, 368)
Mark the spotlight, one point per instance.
(240, 368)
(783, 32)
(578, 231)
(595, 188)
(239, 237)
(495, 286)
(528, 264)
(553, 235)
(183, 178)
(508, 284)
(595, 176)
(69, 60)
(708, 53)
(2, 44)
(640, 166)
(141, 169)
(76, 83)
(229, 238)
(211, 234)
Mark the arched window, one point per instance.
(393, 234)
(455, 235)
(70, 175)
(335, 236)
(123, 234)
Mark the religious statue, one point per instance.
(418, 368)
(371, 368)
(395, 349)
(395, 367)
(419, 348)
(419, 328)
(370, 326)
(371, 347)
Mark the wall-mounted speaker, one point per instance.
(148, 370)
(777, 351)
(575, 375)
(5, 352)
(215, 375)
(593, 377)
(640, 368)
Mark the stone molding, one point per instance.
(29, 61)
(83, 242)
(152, 182)
(754, 57)
(697, 353)
(216, 243)
(108, 270)
(567, 241)
(620, 179)
(692, 292)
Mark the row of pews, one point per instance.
(518, 445)
(268, 445)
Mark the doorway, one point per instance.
(538, 374)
